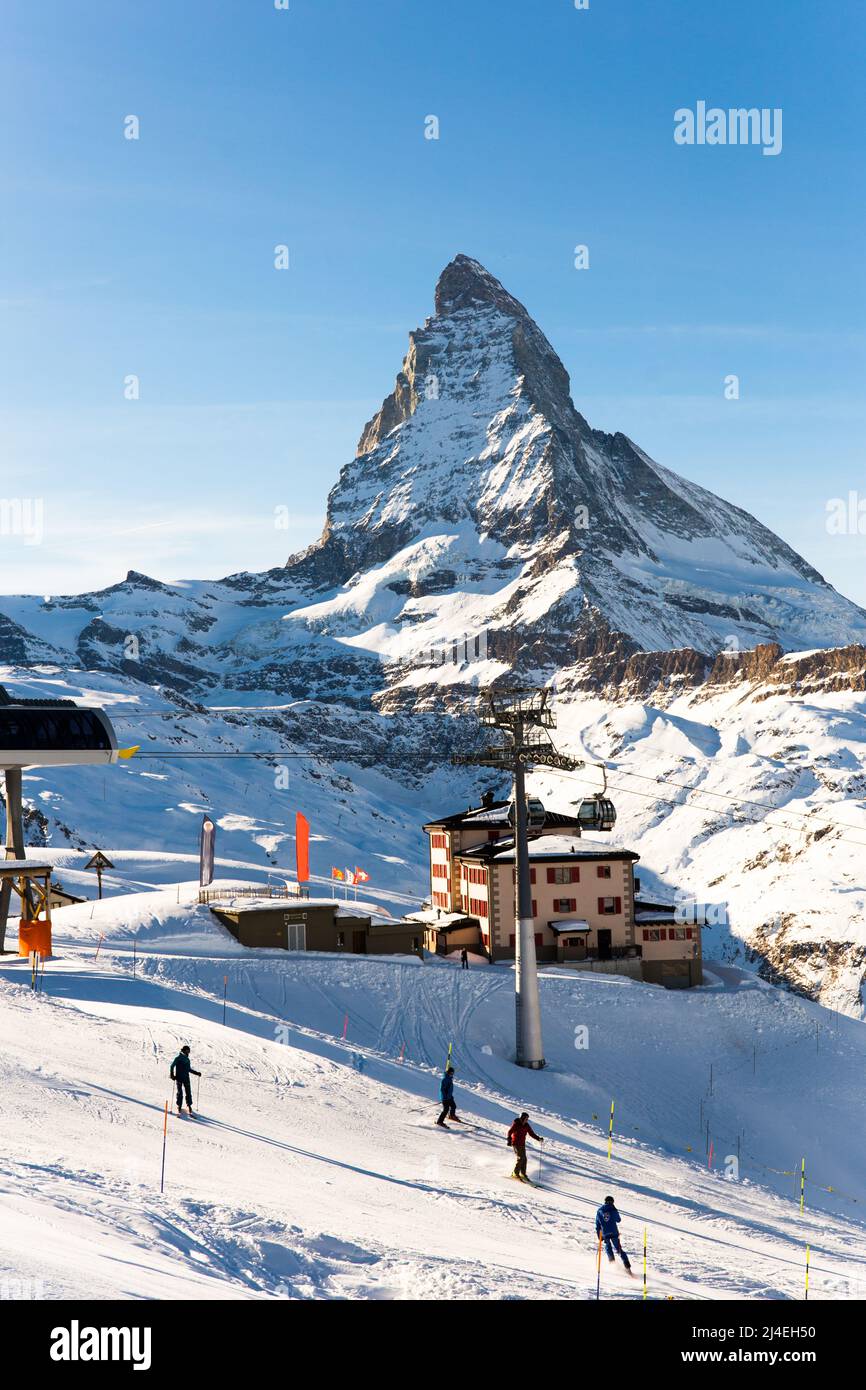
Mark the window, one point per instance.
(610, 907)
(564, 904)
(651, 934)
(478, 907)
(677, 934)
(68, 729)
(603, 871)
(564, 875)
(440, 899)
(439, 870)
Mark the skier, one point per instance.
(180, 1072)
(517, 1141)
(464, 959)
(446, 1094)
(607, 1219)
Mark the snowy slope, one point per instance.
(749, 804)
(316, 1171)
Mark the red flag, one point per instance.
(302, 848)
(361, 876)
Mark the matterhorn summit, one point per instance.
(481, 499)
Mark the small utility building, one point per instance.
(316, 924)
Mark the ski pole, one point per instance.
(540, 1152)
(197, 1091)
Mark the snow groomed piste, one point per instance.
(316, 1170)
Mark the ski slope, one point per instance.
(316, 1170)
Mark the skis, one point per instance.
(527, 1182)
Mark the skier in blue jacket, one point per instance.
(607, 1219)
(446, 1095)
(181, 1068)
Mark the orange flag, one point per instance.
(302, 848)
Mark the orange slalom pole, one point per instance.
(164, 1136)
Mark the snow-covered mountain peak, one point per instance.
(577, 538)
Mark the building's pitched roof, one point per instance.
(493, 817)
(564, 848)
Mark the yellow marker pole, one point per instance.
(807, 1273)
(802, 1184)
(448, 1058)
(610, 1133)
(644, 1261)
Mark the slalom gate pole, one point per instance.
(448, 1058)
(644, 1261)
(610, 1136)
(164, 1135)
(345, 1027)
(598, 1270)
(807, 1273)
(225, 992)
(99, 943)
(802, 1184)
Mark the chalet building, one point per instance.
(583, 897)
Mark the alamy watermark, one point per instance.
(739, 125)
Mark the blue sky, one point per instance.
(306, 127)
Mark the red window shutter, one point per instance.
(617, 902)
(601, 905)
(531, 875)
(534, 909)
(688, 933)
(551, 875)
(575, 875)
(511, 940)
(663, 935)
(645, 934)
(572, 904)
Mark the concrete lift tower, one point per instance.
(44, 733)
(524, 716)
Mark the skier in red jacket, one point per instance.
(517, 1141)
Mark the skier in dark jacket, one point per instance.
(181, 1068)
(607, 1219)
(464, 959)
(517, 1141)
(446, 1095)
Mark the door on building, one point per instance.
(359, 942)
(296, 936)
(604, 935)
